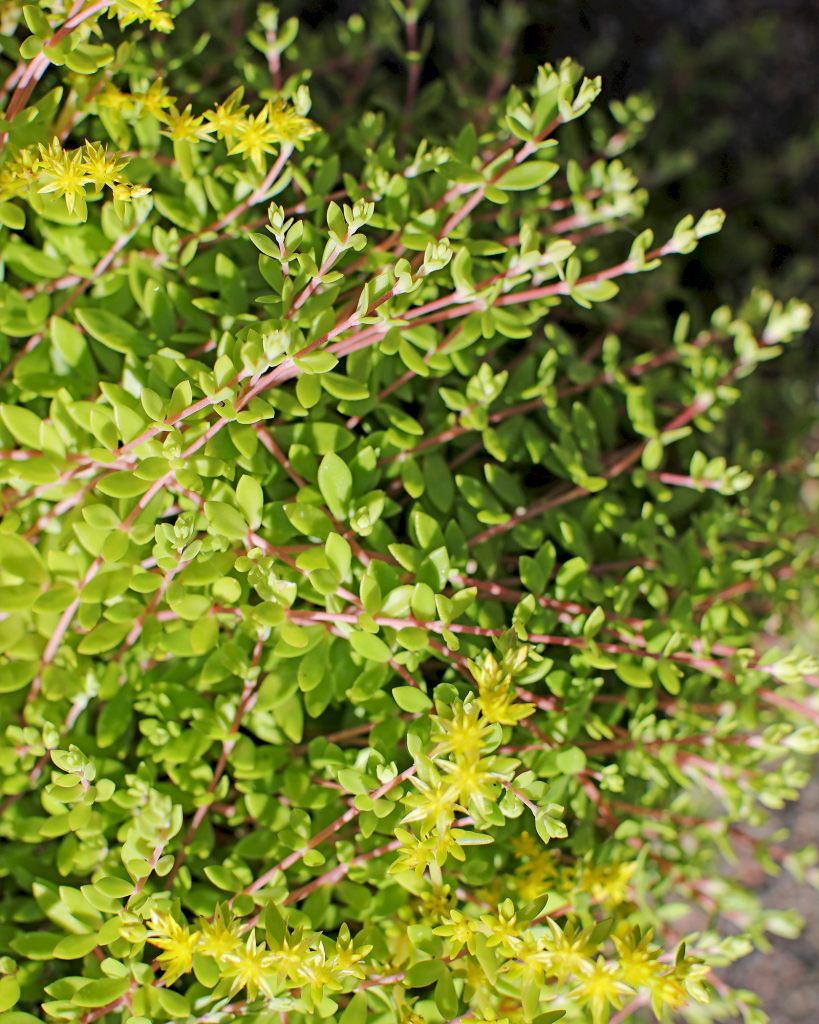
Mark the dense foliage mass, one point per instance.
(388, 616)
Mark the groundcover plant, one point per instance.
(387, 602)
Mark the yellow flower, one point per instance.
(538, 874)
(638, 963)
(525, 845)
(251, 967)
(600, 988)
(276, 123)
(465, 734)
(178, 943)
(531, 954)
(155, 100)
(289, 125)
(502, 928)
(110, 98)
(471, 780)
(436, 904)
(433, 806)
(609, 883)
(185, 127)
(415, 855)
(146, 10)
(219, 938)
(256, 137)
(228, 116)
(460, 930)
(472, 973)
(666, 990)
(101, 167)
(497, 699)
(67, 173)
(345, 962)
(127, 192)
(567, 950)
(18, 172)
(320, 974)
(290, 958)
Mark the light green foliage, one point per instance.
(371, 647)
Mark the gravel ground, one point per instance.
(787, 979)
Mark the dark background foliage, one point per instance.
(736, 83)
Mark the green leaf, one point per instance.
(316, 362)
(412, 479)
(344, 388)
(339, 556)
(412, 359)
(114, 887)
(104, 637)
(531, 575)
(597, 291)
(323, 581)
(463, 837)
(355, 1012)
(35, 945)
(633, 675)
(408, 698)
(114, 332)
(336, 484)
(571, 760)
(101, 992)
(145, 582)
(534, 909)
(652, 454)
(75, 947)
(206, 970)
(223, 878)
(101, 517)
(250, 498)
(226, 520)
(153, 405)
(174, 1004)
(308, 519)
(529, 175)
(265, 244)
(424, 973)
(122, 484)
(9, 994)
(413, 638)
(669, 675)
(12, 215)
(56, 599)
(24, 424)
(113, 720)
(370, 647)
(19, 557)
(594, 623)
(446, 996)
(17, 674)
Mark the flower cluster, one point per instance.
(536, 959)
(53, 170)
(250, 136)
(497, 698)
(142, 11)
(228, 953)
